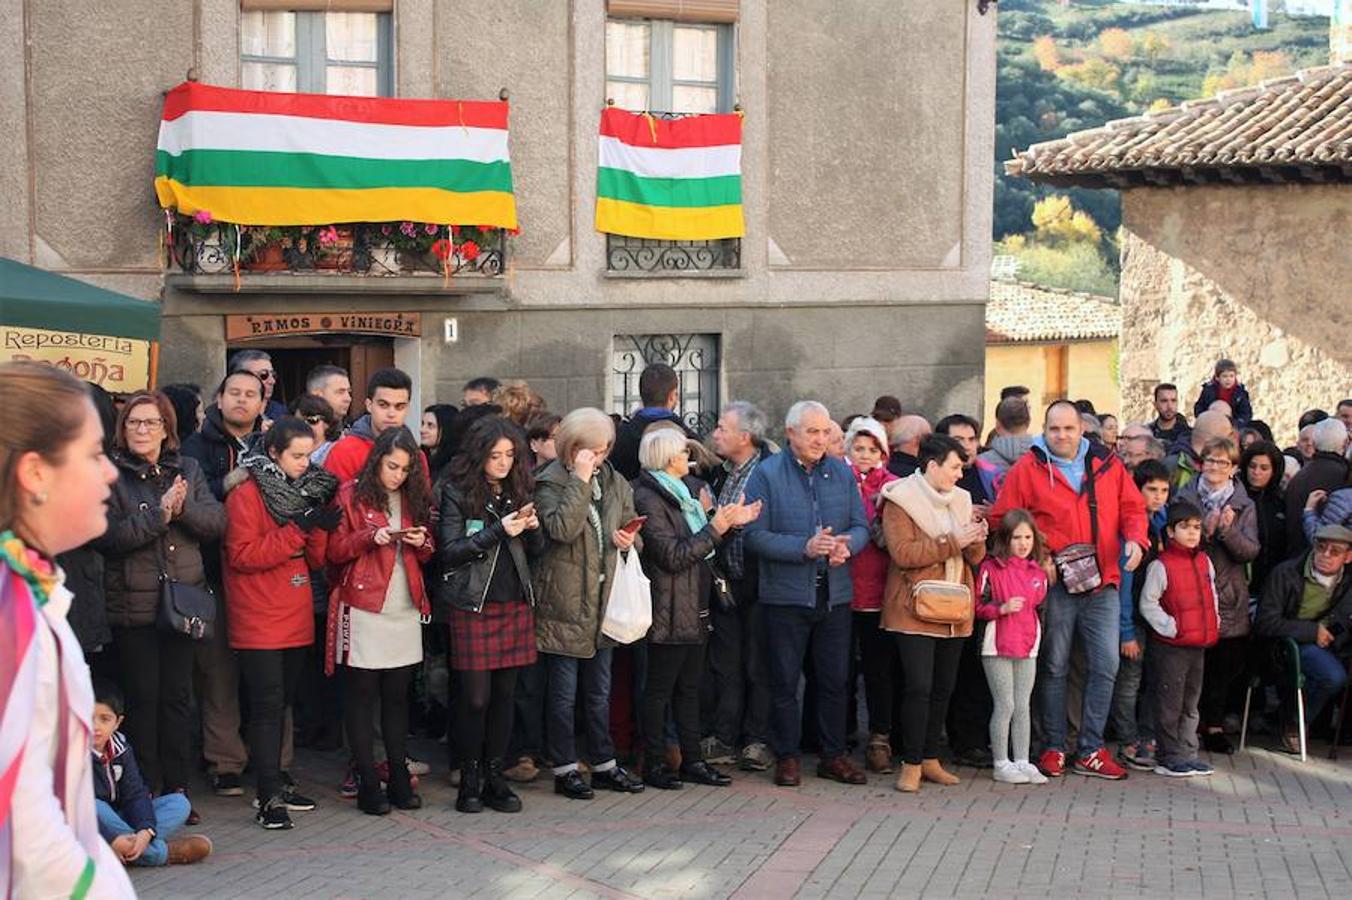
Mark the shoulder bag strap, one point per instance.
(1093, 499)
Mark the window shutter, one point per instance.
(715, 11)
(376, 6)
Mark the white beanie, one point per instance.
(870, 426)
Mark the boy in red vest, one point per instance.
(1178, 602)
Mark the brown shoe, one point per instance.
(878, 755)
(523, 772)
(674, 758)
(788, 772)
(189, 849)
(842, 769)
(930, 770)
(908, 782)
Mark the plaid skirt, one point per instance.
(500, 637)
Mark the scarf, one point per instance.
(694, 513)
(1214, 500)
(284, 498)
(937, 514)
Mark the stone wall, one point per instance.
(1259, 274)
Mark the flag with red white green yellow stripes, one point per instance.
(670, 179)
(264, 158)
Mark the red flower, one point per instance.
(455, 231)
(469, 250)
(442, 249)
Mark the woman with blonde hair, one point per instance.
(519, 402)
(582, 504)
(54, 487)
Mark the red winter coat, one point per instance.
(868, 568)
(1062, 514)
(1017, 634)
(365, 567)
(268, 602)
(1189, 597)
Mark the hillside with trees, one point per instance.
(1067, 65)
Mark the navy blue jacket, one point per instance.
(796, 503)
(118, 783)
(1240, 407)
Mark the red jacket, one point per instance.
(268, 602)
(350, 452)
(1062, 514)
(364, 569)
(1189, 597)
(868, 568)
(1017, 634)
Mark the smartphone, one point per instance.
(633, 525)
(526, 511)
(400, 532)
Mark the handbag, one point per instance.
(1077, 565)
(722, 590)
(629, 607)
(184, 608)
(942, 602)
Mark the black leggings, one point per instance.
(930, 668)
(483, 714)
(363, 688)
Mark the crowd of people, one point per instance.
(245, 577)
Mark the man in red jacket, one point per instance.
(1053, 482)
(388, 394)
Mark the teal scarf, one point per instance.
(690, 507)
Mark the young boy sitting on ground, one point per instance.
(137, 826)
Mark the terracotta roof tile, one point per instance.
(1019, 312)
(1301, 121)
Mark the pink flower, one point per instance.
(409, 229)
(469, 250)
(202, 217)
(386, 229)
(430, 228)
(455, 231)
(328, 235)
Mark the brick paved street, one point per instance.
(1263, 825)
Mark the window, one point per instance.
(656, 64)
(317, 52)
(695, 358)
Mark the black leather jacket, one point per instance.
(468, 560)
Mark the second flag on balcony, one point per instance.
(670, 179)
(262, 158)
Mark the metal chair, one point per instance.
(1286, 668)
(1342, 714)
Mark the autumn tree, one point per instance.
(1116, 43)
(1046, 54)
(1056, 221)
(1154, 45)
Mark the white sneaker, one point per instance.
(1034, 774)
(1007, 772)
(417, 766)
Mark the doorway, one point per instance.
(294, 357)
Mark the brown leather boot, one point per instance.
(930, 770)
(878, 755)
(908, 782)
(189, 849)
(788, 772)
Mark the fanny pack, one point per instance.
(1077, 565)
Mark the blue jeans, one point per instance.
(569, 676)
(1094, 617)
(171, 811)
(1325, 675)
(790, 632)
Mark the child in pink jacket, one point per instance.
(1012, 583)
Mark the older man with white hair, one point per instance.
(1326, 471)
(811, 523)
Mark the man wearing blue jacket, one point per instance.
(811, 524)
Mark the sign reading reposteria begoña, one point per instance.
(97, 335)
(266, 158)
(670, 179)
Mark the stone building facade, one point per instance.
(866, 189)
(1236, 213)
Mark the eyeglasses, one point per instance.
(144, 424)
(316, 420)
(1218, 463)
(1330, 548)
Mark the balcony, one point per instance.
(387, 257)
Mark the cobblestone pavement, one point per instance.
(1264, 824)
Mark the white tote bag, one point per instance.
(629, 609)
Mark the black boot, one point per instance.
(469, 799)
(497, 793)
(370, 799)
(399, 790)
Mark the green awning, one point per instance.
(36, 298)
